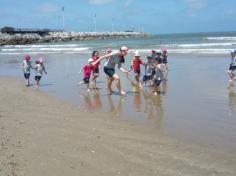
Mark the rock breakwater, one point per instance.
(19, 38)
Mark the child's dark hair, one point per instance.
(93, 53)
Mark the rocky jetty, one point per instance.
(20, 38)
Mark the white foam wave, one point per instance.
(9, 53)
(200, 51)
(221, 38)
(199, 45)
(188, 51)
(44, 49)
(42, 46)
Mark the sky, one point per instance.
(152, 16)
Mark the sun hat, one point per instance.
(163, 49)
(109, 50)
(40, 60)
(90, 60)
(27, 57)
(124, 48)
(233, 51)
(153, 51)
(137, 54)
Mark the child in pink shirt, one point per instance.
(88, 68)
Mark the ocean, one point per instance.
(196, 104)
(192, 43)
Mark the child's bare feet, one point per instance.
(79, 83)
(122, 92)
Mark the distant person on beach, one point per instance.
(95, 70)
(165, 62)
(232, 66)
(158, 77)
(26, 65)
(39, 68)
(135, 65)
(116, 58)
(150, 68)
(87, 69)
(164, 56)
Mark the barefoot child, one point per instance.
(232, 66)
(95, 75)
(158, 77)
(26, 65)
(165, 62)
(87, 69)
(39, 68)
(135, 65)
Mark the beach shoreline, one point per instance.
(42, 135)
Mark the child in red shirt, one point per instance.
(88, 68)
(136, 62)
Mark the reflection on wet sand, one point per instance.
(92, 103)
(232, 97)
(115, 109)
(145, 103)
(153, 107)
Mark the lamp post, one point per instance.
(95, 23)
(63, 18)
(112, 24)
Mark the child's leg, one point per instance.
(137, 77)
(28, 83)
(109, 83)
(37, 82)
(231, 75)
(85, 80)
(37, 79)
(27, 75)
(118, 85)
(156, 86)
(87, 85)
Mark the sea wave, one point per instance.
(199, 45)
(44, 49)
(221, 38)
(43, 46)
(188, 51)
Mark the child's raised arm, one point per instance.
(44, 69)
(102, 57)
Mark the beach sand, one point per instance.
(42, 135)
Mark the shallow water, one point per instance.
(196, 104)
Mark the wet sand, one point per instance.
(42, 135)
(195, 104)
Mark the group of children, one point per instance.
(155, 68)
(38, 67)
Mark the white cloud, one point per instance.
(127, 3)
(195, 5)
(230, 12)
(100, 1)
(48, 7)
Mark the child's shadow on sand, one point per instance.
(45, 85)
(41, 85)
